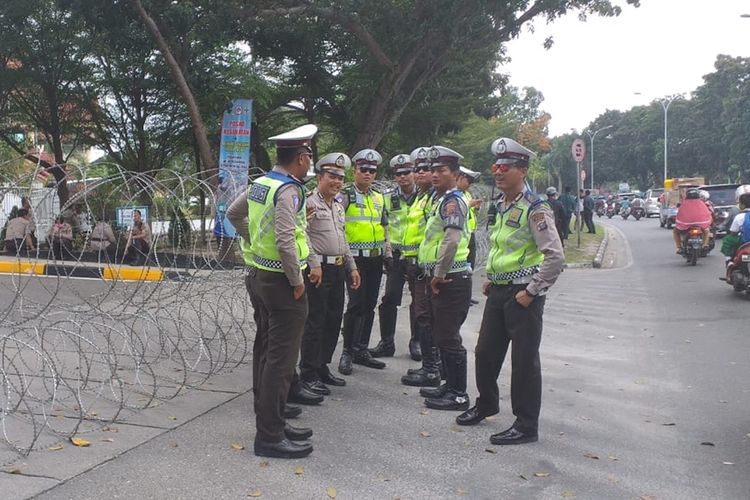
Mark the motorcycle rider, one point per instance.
(739, 231)
(692, 212)
(705, 198)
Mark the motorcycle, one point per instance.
(738, 270)
(600, 208)
(610, 210)
(625, 213)
(692, 244)
(637, 210)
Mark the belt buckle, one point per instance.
(339, 260)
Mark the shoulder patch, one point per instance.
(258, 193)
(539, 220)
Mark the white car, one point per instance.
(652, 201)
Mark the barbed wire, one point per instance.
(78, 353)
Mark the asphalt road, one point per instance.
(646, 395)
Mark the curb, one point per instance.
(108, 273)
(599, 257)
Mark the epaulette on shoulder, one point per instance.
(533, 199)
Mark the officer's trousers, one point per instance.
(326, 308)
(280, 322)
(504, 322)
(360, 311)
(394, 293)
(448, 311)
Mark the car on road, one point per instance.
(722, 198)
(652, 201)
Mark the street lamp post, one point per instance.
(591, 139)
(665, 106)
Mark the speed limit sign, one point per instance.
(578, 148)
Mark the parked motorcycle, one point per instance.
(738, 270)
(692, 244)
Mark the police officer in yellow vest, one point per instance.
(398, 202)
(525, 259)
(466, 178)
(443, 258)
(428, 375)
(366, 222)
(275, 250)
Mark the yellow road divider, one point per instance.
(17, 267)
(132, 274)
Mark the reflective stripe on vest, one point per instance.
(435, 232)
(416, 221)
(261, 252)
(472, 215)
(513, 251)
(398, 211)
(363, 220)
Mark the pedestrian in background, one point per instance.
(569, 204)
(588, 212)
(558, 211)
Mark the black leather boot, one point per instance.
(345, 363)
(385, 347)
(415, 350)
(299, 395)
(434, 392)
(455, 398)
(429, 375)
(363, 357)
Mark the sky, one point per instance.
(661, 48)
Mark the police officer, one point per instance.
(428, 375)
(366, 222)
(466, 178)
(397, 204)
(330, 263)
(275, 249)
(525, 259)
(443, 258)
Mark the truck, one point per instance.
(674, 192)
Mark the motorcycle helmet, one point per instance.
(704, 195)
(745, 188)
(692, 194)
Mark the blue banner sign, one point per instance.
(234, 162)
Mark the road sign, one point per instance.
(578, 148)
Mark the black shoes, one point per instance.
(316, 387)
(383, 350)
(282, 449)
(513, 436)
(422, 378)
(364, 358)
(472, 416)
(297, 433)
(433, 392)
(299, 395)
(292, 411)
(415, 350)
(345, 363)
(451, 401)
(329, 379)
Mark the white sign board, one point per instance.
(578, 148)
(125, 215)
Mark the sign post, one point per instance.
(234, 162)
(578, 148)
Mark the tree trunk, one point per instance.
(199, 129)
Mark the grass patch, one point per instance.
(589, 245)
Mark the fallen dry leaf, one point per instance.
(707, 443)
(613, 458)
(13, 471)
(331, 492)
(647, 497)
(591, 456)
(728, 463)
(299, 471)
(56, 447)
(461, 492)
(424, 434)
(568, 494)
(110, 429)
(264, 463)
(80, 442)
(172, 418)
(541, 474)
(490, 450)
(255, 494)
(523, 477)
(424, 412)
(108, 440)
(456, 428)
(669, 424)
(236, 446)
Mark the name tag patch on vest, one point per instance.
(538, 219)
(514, 217)
(259, 193)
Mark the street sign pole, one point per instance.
(578, 148)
